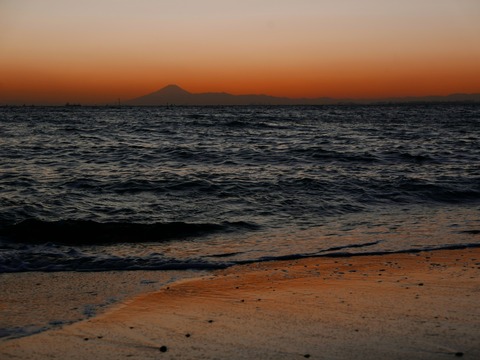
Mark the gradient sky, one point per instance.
(95, 51)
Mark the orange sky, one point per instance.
(96, 51)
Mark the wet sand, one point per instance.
(399, 306)
(31, 302)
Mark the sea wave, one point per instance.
(52, 258)
(98, 177)
(85, 232)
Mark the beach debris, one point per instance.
(459, 354)
(163, 348)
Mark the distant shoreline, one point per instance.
(340, 104)
(173, 95)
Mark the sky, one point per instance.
(98, 51)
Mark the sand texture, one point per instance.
(400, 306)
(31, 302)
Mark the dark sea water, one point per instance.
(206, 187)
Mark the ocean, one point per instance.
(160, 188)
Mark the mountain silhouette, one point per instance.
(173, 90)
(175, 95)
(171, 94)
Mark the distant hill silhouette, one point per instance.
(175, 95)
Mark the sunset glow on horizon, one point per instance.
(54, 51)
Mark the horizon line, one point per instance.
(434, 98)
(315, 97)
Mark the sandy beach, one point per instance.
(399, 306)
